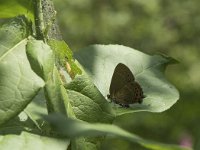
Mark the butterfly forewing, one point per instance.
(121, 76)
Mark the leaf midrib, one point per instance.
(13, 48)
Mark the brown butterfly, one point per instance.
(124, 90)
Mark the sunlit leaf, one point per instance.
(100, 61)
(42, 61)
(18, 83)
(87, 102)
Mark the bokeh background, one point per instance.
(171, 27)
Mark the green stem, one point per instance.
(49, 16)
(39, 21)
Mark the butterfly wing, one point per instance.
(123, 88)
(125, 94)
(138, 93)
(129, 94)
(121, 76)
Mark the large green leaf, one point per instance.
(100, 61)
(28, 141)
(89, 105)
(18, 83)
(42, 62)
(14, 8)
(87, 102)
(74, 128)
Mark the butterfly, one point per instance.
(124, 90)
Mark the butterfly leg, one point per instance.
(124, 105)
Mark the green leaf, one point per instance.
(100, 61)
(18, 83)
(87, 102)
(29, 119)
(12, 32)
(18, 124)
(61, 49)
(30, 141)
(89, 105)
(14, 8)
(37, 106)
(82, 143)
(74, 128)
(42, 62)
(41, 58)
(64, 54)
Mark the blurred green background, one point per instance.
(151, 26)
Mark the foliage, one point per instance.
(152, 26)
(38, 74)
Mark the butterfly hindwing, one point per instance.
(138, 93)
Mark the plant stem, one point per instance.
(49, 17)
(45, 21)
(39, 21)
